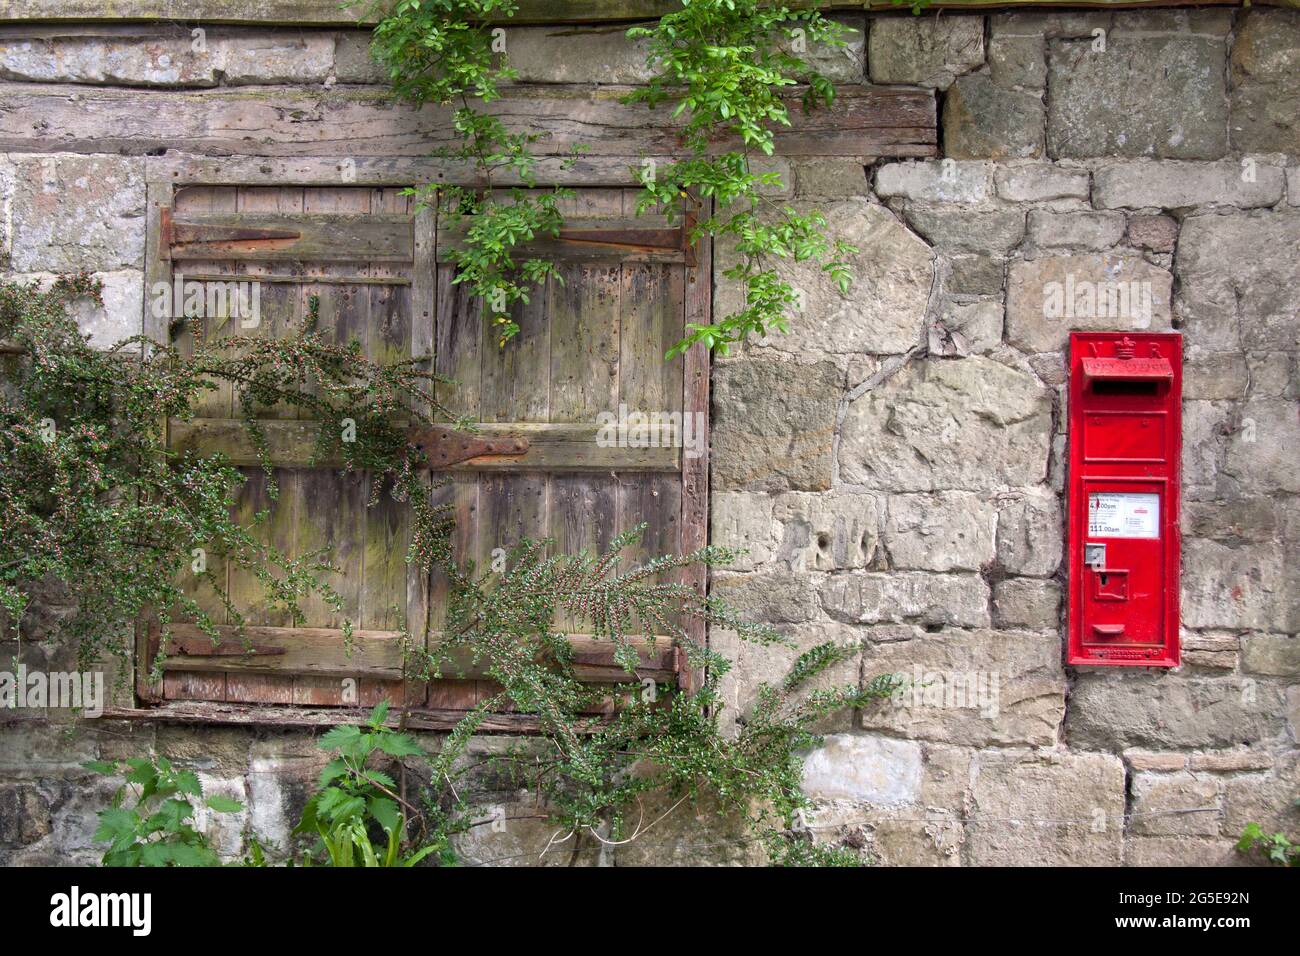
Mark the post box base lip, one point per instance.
(1073, 660)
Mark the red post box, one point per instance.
(1125, 447)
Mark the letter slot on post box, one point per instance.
(1125, 442)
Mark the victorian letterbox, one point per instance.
(1125, 441)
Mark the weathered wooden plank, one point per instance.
(695, 467)
(330, 13)
(376, 654)
(357, 121)
(584, 342)
(184, 167)
(572, 446)
(239, 715)
(300, 237)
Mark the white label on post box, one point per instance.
(1113, 514)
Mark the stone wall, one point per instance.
(895, 465)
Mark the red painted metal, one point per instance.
(1125, 449)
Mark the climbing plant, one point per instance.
(726, 68)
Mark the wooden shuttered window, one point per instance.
(587, 346)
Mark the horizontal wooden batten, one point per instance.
(365, 121)
(647, 238)
(332, 13)
(551, 447)
(324, 652)
(208, 713)
(181, 167)
(305, 237)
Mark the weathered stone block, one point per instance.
(826, 533)
(1026, 602)
(1040, 182)
(1261, 452)
(119, 317)
(951, 532)
(1031, 533)
(875, 597)
(1234, 586)
(1139, 760)
(823, 177)
(1052, 24)
(1075, 230)
(1021, 792)
(1167, 804)
(982, 120)
(1048, 297)
(771, 597)
(971, 688)
(993, 232)
(566, 54)
(275, 57)
(1180, 851)
(1239, 283)
(1018, 62)
(864, 768)
(138, 56)
(352, 60)
(1274, 654)
(973, 328)
(1211, 649)
(1265, 101)
(1230, 761)
(25, 815)
(1167, 711)
(1215, 375)
(938, 181)
(1175, 185)
(1157, 233)
(927, 51)
(976, 275)
(773, 424)
(967, 424)
(1205, 429)
(1267, 799)
(882, 313)
(756, 664)
(1161, 96)
(77, 212)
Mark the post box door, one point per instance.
(1124, 458)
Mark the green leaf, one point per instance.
(336, 738)
(399, 745)
(101, 766)
(224, 804)
(386, 812)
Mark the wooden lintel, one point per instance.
(357, 122)
(331, 13)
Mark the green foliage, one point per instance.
(725, 66)
(1276, 848)
(158, 829)
(357, 812)
(721, 63)
(89, 487)
(440, 51)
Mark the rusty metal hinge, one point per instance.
(640, 240)
(219, 237)
(443, 445)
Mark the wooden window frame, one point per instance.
(170, 172)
